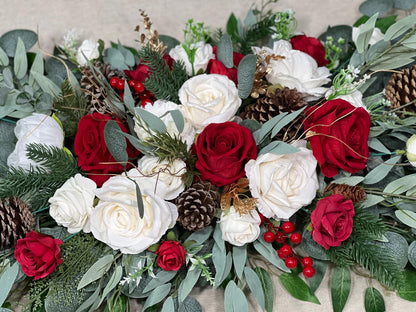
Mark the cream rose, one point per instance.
(208, 99)
(116, 220)
(376, 35)
(283, 183)
(36, 128)
(72, 204)
(355, 99)
(203, 54)
(87, 51)
(411, 150)
(240, 229)
(296, 70)
(161, 177)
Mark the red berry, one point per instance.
(131, 83)
(296, 238)
(122, 96)
(269, 237)
(281, 254)
(308, 271)
(139, 87)
(286, 250)
(280, 237)
(307, 261)
(288, 227)
(291, 262)
(113, 82)
(146, 102)
(262, 219)
(120, 85)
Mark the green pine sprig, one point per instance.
(257, 33)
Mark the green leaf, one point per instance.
(162, 277)
(188, 283)
(371, 7)
(234, 299)
(255, 285)
(232, 28)
(400, 27)
(8, 41)
(4, 59)
(251, 124)
(200, 236)
(89, 302)
(190, 305)
(353, 180)
(113, 282)
(381, 171)
(320, 270)
(20, 60)
(178, 119)
(340, 287)
(169, 41)
(375, 144)
(366, 31)
(46, 84)
(225, 51)
(37, 66)
(268, 288)
(404, 4)
(115, 141)
(137, 143)
(411, 253)
(384, 23)
(407, 290)
(396, 247)
(410, 42)
(7, 280)
(401, 185)
(239, 259)
(128, 56)
(157, 295)
(139, 199)
(128, 98)
(96, 271)
(267, 127)
(312, 248)
(297, 287)
(285, 121)
(371, 200)
(278, 148)
(407, 217)
(115, 58)
(373, 300)
(245, 75)
(268, 252)
(250, 19)
(219, 256)
(154, 122)
(168, 305)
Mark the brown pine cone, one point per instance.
(197, 204)
(355, 193)
(16, 220)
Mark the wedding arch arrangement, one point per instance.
(141, 172)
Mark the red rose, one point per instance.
(311, 46)
(171, 255)
(38, 254)
(223, 150)
(92, 151)
(338, 134)
(332, 220)
(141, 72)
(216, 67)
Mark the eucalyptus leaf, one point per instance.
(373, 301)
(401, 185)
(320, 270)
(400, 27)
(115, 141)
(200, 236)
(239, 259)
(157, 295)
(87, 303)
(234, 299)
(8, 78)
(404, 4)
(46, 84)
(268, 288)
(407, 217)
(410, 42)
(168, 305)
(297, 287)
(352, 180)
(225, 51)
(376, 144)
(219, 256)
(188, 283)
(254, 283)
(169, 41)
(268, 252)
(396, 247)
(178, 119)
(128, 56)
(128, 97)
(285, 121)
(154, 122)
(190, 305)
(7, 279)
(260, 134)
(115, 58)
(245, 75)
(137, 143)
(8, 41)
(371, 7)
(340, 287)
(312, 248)
(381, 171)
(366, 31)
(411, 253)
(139, 200)
(279, 148)
(113, 282)
(96, 271)
(4, 59)
(20, 60)
(371, 200)
(162, 277)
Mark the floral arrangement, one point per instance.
(141, 173)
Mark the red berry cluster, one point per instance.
(280, 235)
(136, 87)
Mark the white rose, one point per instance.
(208, 99)
(240, 229)
(116, 220)
(72, 204)
(89, 50)
(411, 150)
(203, 54)
(161, 109)
(355, 99)
(376, 36)
(296, 70)
(36, 128)
(283, 183)
(164, 178)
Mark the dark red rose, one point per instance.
(223, 150)
(141, 72)
(338, 134)
(171, 255)
(216, 67)
(311, 46)
(38, 254)
(332, 220)
(92, 152)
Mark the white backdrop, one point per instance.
(116, 19)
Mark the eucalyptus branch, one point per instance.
(390, 195)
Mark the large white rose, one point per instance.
(160, 177)
(88, 50)
(36, 128)
(203, 54)
(208, 99)
(161, 109)
(72, 204)
(296, 70)
(283, 183)
(240, 229)
(116, 220)
(376, 35)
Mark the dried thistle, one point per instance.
(234, 194)
(150, 37)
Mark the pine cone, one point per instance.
(16, 220)
(197, 204)
(401, 89)
(355, 193)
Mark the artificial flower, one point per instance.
(171, 255)
(283, 183)
(72, 203)
(87, 52)
(376, 35)
(311, 46)
(411, 150)
(215, 66)
(203, 53)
